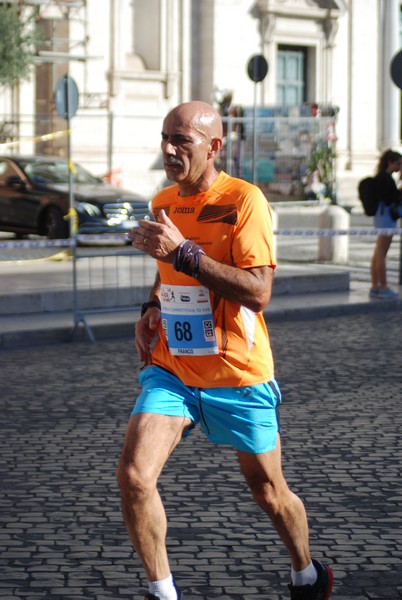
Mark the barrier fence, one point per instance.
(120, 280)
(109, 283)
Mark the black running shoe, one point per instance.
(180, 595)
(152, 597)
(321, 590)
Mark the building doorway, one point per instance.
(291, 75)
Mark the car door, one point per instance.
(19, 204)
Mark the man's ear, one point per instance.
(215, 146)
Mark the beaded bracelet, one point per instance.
(187, 258)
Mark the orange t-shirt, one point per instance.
(232, 223)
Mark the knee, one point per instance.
(134, 481)
(265, 493)
(126, 477)
(269, 495)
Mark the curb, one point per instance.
(63, 333)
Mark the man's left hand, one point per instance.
(159, 239)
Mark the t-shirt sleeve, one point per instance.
(253, 243)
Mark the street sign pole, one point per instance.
(67, 87)
(255, 135)
(257, 69)
(66, 101)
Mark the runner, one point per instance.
(211, 363)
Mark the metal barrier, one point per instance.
(108, 282)
(110, 279)
(120, 280)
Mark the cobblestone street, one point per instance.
(64, 409)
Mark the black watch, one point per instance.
(147, 305)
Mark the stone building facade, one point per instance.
(136, 59)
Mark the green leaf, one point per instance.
(18, 39)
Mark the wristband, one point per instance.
(187, 258)
(150, 304)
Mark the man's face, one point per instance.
(185, 147)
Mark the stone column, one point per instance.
(330, 29)
(390, 106)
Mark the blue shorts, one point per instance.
(245, 418)
(383, 219)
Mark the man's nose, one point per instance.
(168, 147)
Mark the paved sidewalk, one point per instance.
(64, 408)
(36, 301)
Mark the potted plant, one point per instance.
(321, 170)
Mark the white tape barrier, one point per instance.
(37, 244)
(333, 232)
(62, 243)
(316, 232)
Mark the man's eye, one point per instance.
(181, 141)
(175, 141)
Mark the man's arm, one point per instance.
(147, 326)
(155, 291)
(249, 287)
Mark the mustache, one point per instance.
(170, 160)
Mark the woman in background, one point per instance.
(388, 212)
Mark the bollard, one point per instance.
(334, 248)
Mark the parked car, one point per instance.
(35, 198)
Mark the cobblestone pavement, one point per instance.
(64, 410)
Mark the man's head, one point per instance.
(191, 139)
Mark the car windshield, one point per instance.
(46, 172)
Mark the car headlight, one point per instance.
(89, 209)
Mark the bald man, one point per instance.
(204, 343)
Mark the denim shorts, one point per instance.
(246, 418)
(383, 219)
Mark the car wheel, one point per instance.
(55, 226)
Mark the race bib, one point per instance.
(187, 320)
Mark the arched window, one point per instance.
(147, 34)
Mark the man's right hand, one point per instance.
(145, 331)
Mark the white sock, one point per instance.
(164, 588)
(306, 577)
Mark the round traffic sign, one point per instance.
(396, 69)
(257, 68)
(66, 97)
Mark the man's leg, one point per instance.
(263, 473)
(150, 439)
